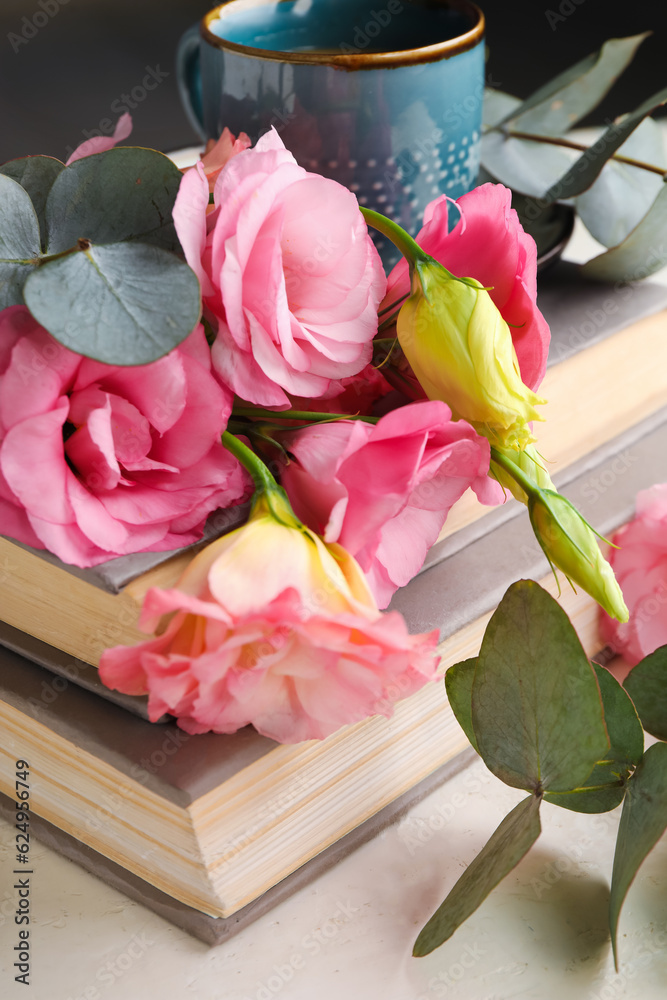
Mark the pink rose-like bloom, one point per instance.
(98, 461)
(219, 152)
(383, 492)
(289, 274)
(275, 629)
(488, 243)
(640, 565)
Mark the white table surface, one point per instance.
(541, 935)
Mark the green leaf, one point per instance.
(647, 686)
(548, 226)
(126, 193)
(529, 167)
(626, 738)
(511, 841)
(124, 304)
(643, 822)
(458, 683)
(497, 106)
(641, 253)
(19, 240)
(567, 98)
(586, 169)
(623, 194)
(536, 706)
(36, 174)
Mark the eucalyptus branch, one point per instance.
(553, 140)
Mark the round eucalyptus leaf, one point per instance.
(126, 193)
(123, 304)
(19, 240)
(536, 705)
(605, 788)
(36, 175)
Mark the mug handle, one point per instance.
(188, 75)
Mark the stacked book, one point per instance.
(212, 830)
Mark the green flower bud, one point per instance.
(570, 543)
(460, 348)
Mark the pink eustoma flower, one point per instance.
(219, 152)
(384, 491)
(640, 565)
(275, 629)
(289, 275)
(488, 243)
(98, 461)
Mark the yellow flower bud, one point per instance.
(460, 348)
(570, 544)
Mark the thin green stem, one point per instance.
(81, 246)
(276, 415)
(261, 477)
(517, 474)
(269, 496)
(398, 236)
(393, 305)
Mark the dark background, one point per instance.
(65, 78)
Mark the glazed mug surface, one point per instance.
(384, 96)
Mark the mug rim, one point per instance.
(356, 60)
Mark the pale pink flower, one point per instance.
(383, 492)
(640, 565)
(488, 243)
(219, 152)
(98, 461)
(289, 275)
(275, 629)
(101, 143)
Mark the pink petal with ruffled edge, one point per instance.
(100, 143)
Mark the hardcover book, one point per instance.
(219, 826)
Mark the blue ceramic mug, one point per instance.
(384, 96)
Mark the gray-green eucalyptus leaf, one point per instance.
(108, 302)
(647, 686)
(605, 788)
(643, 822)
(19, 240)
(458, 683)
(526, 166)
(511, 841)
(623, 194)
(642, 252)
(36, 174)
(126, 193)
(559, 104)
(585, 170)
(536, 706)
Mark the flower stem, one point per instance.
(267, 491)
(517, 474)
(398, 236)
(82, 245)
(261, 476)
(312, 417)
